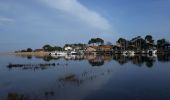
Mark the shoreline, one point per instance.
(25, 53)
(43, 53)
(32, 54)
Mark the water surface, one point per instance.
(89, 77)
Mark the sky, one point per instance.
(34, 23)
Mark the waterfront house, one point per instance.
(68, 48)
(166, 46)
(105, 48)
(116, 47)
(90, 49)
(137, 43)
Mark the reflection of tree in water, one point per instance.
(138, 60)
(149, 61)
(98, 60)
(41, 66)
(96, 63)
(120, 58)
(143, 59)
(70, 78)
(29, 57)
(49, 58)
(78, 80)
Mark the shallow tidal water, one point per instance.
(85, 78)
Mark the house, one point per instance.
(150, 45)
(166, 46)
(78, 48)
(105, 48)
(89, 49)
(137, 43)
(117, 47)
(68, 48)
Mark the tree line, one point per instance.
(100, 41)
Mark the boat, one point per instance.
(73, 53)
(58, 53)
(152, 52)
(125, 53)
(131, 53)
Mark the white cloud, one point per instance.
(79, 11)
(4, 20)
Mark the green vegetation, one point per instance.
(97, 41)
(48, 47)
(138, 43)
(29, 50)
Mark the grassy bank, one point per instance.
(37, 54)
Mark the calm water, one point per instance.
(85, 78)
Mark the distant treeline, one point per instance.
(159, 44)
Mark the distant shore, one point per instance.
(32, 53)
(26, 53)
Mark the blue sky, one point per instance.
(33, 23)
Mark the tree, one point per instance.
(98, 41)
(46, 47)
(92, 41)
(149, 39)
(122, 42)
(55, 48)
(23, 51)
(51, 48)
(29, 50)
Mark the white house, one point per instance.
(68, 48)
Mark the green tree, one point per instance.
(92, 41)
(57, 48)
(149, 39)
(29, 50)
(98, 41)
(47, 47)
(122, 42)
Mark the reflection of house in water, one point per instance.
(164, 58)
(98, 60)
(137, 59)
